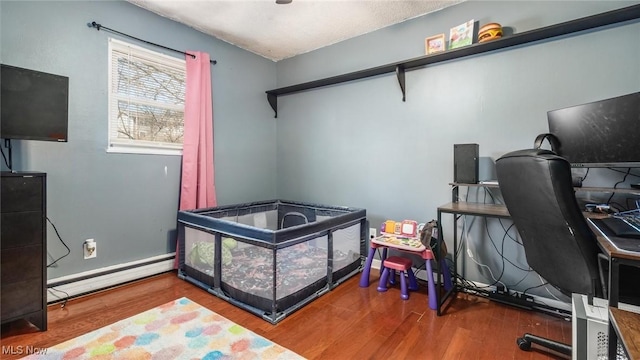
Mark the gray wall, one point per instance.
(358, 144)
(354, 144)
(128, 203)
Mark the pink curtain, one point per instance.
(197, 188)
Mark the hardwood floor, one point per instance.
(347, 323)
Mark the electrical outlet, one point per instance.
(90, 249)
(373, 232)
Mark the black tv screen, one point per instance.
(35, 105)
(603, 133)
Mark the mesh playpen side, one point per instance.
(271, 258)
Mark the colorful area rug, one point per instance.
(180, 329)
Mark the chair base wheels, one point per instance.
(524, 344)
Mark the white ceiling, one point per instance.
(277, 31)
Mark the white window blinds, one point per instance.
(146, 100)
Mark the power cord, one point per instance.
(498, 280)
(471, 286)
(465, 234)
(465, 237)
(501, 253)
(585, 174)
(506, 230)
(619, 182)
(495, 281)
(519, 281)
(64, 300)
(547, 288)
(535, 287)
(623, 172)
(63, 243)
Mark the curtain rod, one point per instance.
(99, 27)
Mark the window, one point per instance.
(146, 100)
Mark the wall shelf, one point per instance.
(569, 27)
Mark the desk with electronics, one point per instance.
(560, 240)
(582, 135)
(618, 249)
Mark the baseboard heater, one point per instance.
(94, 280)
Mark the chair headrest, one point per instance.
(552, 139)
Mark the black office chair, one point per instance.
(537, 189)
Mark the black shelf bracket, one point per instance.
(401, 81)
(548, 32)
(273, 101)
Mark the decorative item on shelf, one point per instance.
(461, 35)
(434, 44)
(489, 32)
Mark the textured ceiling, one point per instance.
(277, 31)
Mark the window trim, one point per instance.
(135, 147)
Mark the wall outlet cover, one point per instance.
(89, 248)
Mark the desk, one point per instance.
(463, 208)
(412, 246)
(624, 325)
(616, 256)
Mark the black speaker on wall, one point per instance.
(465, 163)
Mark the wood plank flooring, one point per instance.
(347, 323)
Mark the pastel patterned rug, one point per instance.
(180, 329)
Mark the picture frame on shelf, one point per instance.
(461, 35)
(434, 44)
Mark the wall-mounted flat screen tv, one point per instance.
(603, 133)
(34, 105)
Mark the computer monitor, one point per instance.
(603, 133)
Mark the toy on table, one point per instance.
(399, 242)
(388, 227)
(427, 250)
(407, 228)
(410, 235)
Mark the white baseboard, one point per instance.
(98, 279)
(375, 264)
